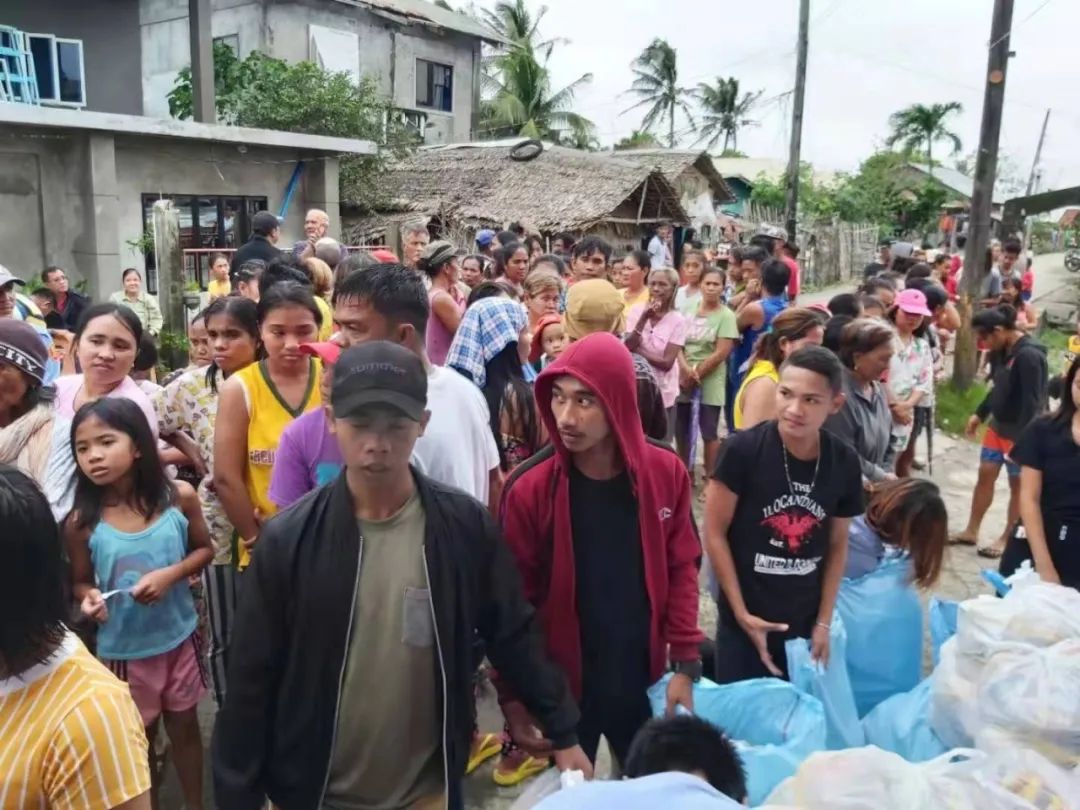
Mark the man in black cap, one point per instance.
(265, 232)
(351, 673)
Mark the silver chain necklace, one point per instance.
(787, 470)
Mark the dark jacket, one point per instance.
(258, 247)
(289, 642)
(1019, 388)
(74, 306)
(535, 516)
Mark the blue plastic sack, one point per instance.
(774, 725)
(901, 724)
(943, 615)
(830, 685)
(883, 619)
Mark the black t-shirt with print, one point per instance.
(779, 535)
(1048, 446)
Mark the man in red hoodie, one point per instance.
(601, 526)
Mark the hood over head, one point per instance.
(603, 364)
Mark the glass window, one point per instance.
(434, 85)
(41, 48)
(69, 70)
(230, 40)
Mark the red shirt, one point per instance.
(1027, 281)
(793, 283)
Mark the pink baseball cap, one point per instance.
(913, 302)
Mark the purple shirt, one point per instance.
(308, 456)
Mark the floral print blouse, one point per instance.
(911, 368)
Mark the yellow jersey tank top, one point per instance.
(762, 368)
(268, 416)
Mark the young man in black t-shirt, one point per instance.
(777, 515)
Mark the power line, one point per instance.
(1006, 35)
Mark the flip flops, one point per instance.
(528, 767)
(486, 746)
(961, 540)
(990, 552)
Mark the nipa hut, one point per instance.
(462, 188)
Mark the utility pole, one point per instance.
(978, 236)
(202, 61)
(1033, 179)
(791, 209)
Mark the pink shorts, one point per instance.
(173, 681)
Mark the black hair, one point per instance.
(485, 289)
(920, 270)
(593, 244)
(151, 490)
(924, 324)
(244, 312)
(961, 241)
(517, 228)
(775, 276)
(128, 271)
(282, 270)
(353, 263)
(533, 240)
(506, 237)
(834, 328)
(872, 285)
(251, 270)
(548, 258)
(393, 290)
(45, 292)
(567, 238)
(754, 253)
(936, 297)
(821, 361)
(147, 355)
(1012, 245)
(710, 269)
(845, 304)
(48, 271)
(504, 254)
(288, 294)
(861, 336)
(33, 592)
(122, 313)
(942, 258)
(642, 259)
(792, 250)
(884, 243)
(1009, 280)
(1063, 416)
(901, 265)
(987, 320)
(869, 301)
(505, 378)
(687, 744)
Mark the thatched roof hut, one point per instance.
(466, 187)
(682, 166)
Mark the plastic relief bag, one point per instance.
(774, 725)
(830, 685)
(901, 724)
(952, 705)
(1031, 699)
(882, 605)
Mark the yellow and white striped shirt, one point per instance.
(70, 736)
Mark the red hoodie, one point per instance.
(535, 516)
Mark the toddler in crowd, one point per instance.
(548, 341)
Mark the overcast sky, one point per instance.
(868, 58)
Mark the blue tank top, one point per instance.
(771, 306)
(120, 559)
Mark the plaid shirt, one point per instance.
(488, 327)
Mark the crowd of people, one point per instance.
(382, 482)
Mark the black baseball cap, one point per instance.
(379, 373)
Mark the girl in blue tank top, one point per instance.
(135, 539)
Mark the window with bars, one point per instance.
(434, 85)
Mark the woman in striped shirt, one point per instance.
(70, 735)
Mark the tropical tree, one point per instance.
(723, 112)
(637, 140)
(922, 124)
(656, 84)
(517, 83)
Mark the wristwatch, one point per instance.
(691, 669)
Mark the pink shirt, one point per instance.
(656, 337)
(438, 337)
(793, 286)
(67, 388)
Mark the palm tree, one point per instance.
(918, 124)
(517, 83)
(656, 83)
(637, 140)
(723, 112)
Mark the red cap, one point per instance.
(326, 351)
(384, 256)
(537, 347)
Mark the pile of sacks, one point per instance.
(1010, 677)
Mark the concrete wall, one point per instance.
(387, 50)
(109, 30)
(74, 197)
